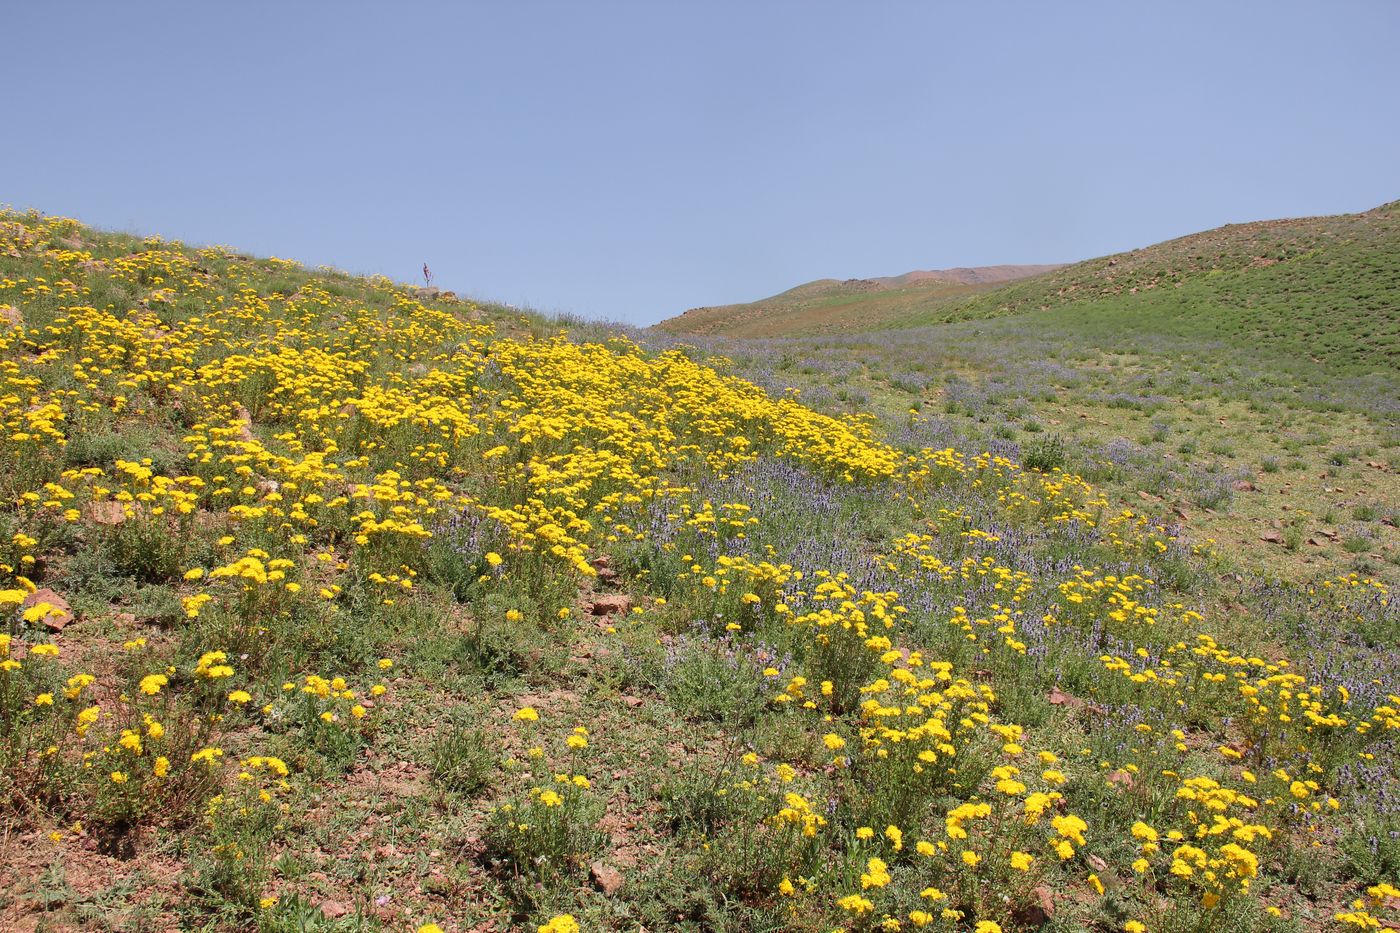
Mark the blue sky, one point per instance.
(630, 160)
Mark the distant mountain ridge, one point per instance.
(1264, 270)
(965, 275)
(822, 301)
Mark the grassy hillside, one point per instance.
(831, 304)
(1241, 380)
(334, 605)
(1327, 288)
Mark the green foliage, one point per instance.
(463, 758)
(548, 832)
(715, 681)
(1044, 454)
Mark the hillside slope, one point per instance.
(963, 275)
(332, 605)
(837, 304)
(1328, 287)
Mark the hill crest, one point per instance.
(824, 297)
(916, 298)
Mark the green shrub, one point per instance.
(1044, 454)
(463, 758)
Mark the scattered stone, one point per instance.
(107, 512)
(1123, 779)
(1244, 485)
(60, 613)
(632, 702)
(1272, 537)
(606, 877)
(1040, 910)
(10, 315)
(245, 423)
(333, 909)
(1058, 697)
(611, 604)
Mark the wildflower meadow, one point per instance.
(336, 604)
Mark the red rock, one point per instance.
(107, 512)
(606, 877)
(611, 604)
(245, 423)
(1040, 910)
(59, 615)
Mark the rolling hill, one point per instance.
(1326, 287)
(837, 304)
(332, 605)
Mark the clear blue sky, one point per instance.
(631, 160)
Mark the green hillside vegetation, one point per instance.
(816, 306)
(1243, 381)
(1322, 287)
(1325, 288)
(333, 605)
(833, 304)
